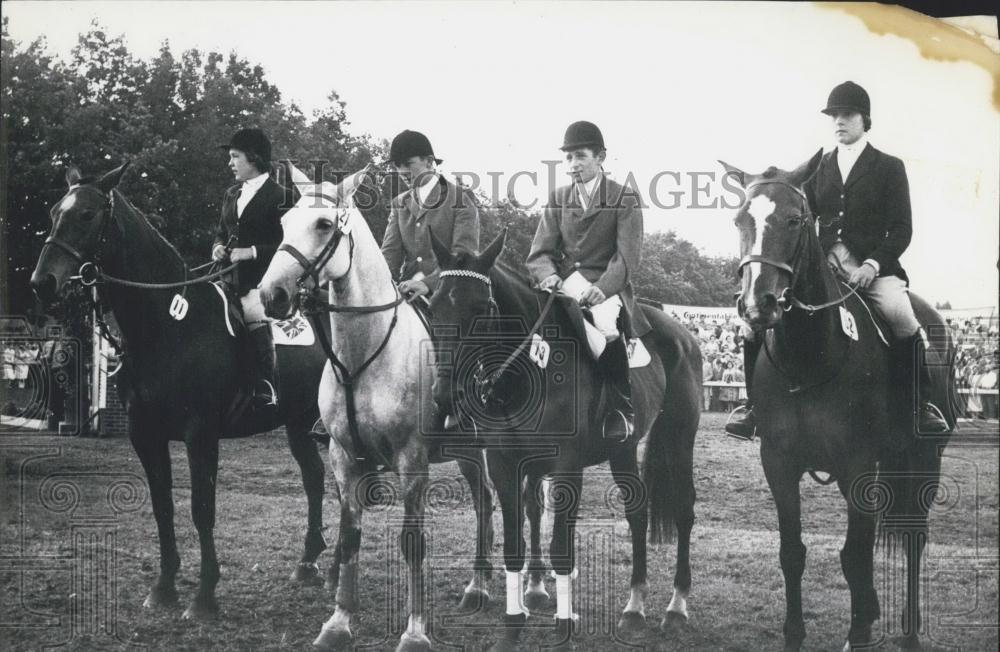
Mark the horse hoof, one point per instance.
(859, 639)
(673, 620)
(475, 600)
(202, 609)
(334, 640)
(536, 600)
(306, 574)
(161, 598)
(632, 624)
(413, 643)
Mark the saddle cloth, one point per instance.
(294, 331)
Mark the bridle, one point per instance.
(312, 306)
(788, 300)
(90, 270)
(487, 382)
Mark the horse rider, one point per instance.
(249, 233)
(592, 228)
(432, 203)
(861, 200)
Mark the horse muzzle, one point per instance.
(46, 287)
(277, 303)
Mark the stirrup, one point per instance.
(628, 425)
(319, 429)
(732, 429)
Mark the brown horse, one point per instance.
(180, 378)
(823, 401)
(538, 422)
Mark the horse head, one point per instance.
(464, 295)
(773, 222)
(317, 245)
(81, 225)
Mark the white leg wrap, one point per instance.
(340, 620)
(564, 597)
(637, 601)
(515, 603)
(415, 626)
(678, 603)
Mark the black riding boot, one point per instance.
(742, 424)
(265, 394)
(930, 421)
(619, 420)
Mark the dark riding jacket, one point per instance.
(603, 243)
(259, 226)
(450, 212)
(870, 213)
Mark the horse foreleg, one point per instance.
(507, 483)
(476, 596)
(856, 560)
(155, 458)
(625, 470)
(413, 546)
(566, 491)
(534, 495)
(784, 483)
(336, 632)
(306, 453)
(203, 460)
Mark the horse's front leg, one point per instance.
(507, 480)
(154, 453)
(306, 453)
(203, 459)
(783, 479)
(476, 596)
(566, 490)
(412, 465)
(336, 632)
(534, 496)
(856, 560)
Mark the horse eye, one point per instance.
(88, 215)
(324, 225)
(795, 221)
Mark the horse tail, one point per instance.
(668, 462)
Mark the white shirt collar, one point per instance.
(424, 189)
(588, 188)
(854, 148)
(255, 183)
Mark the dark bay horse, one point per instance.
(823, 400)
(538, 422)
(379, 373)
(179, 378)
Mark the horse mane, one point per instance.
(148, 226)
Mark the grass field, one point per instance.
(78, 552)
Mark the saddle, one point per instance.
(584, 331)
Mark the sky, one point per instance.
(674, 87)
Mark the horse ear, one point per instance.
(299, 178)
(736, 173)
(73, 176)
(804, 172)
(111, 179)
(350, 185)
(492, 252)
(441, 252)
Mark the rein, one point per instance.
(490, 382)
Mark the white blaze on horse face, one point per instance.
(761, 207)
(68, 202)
